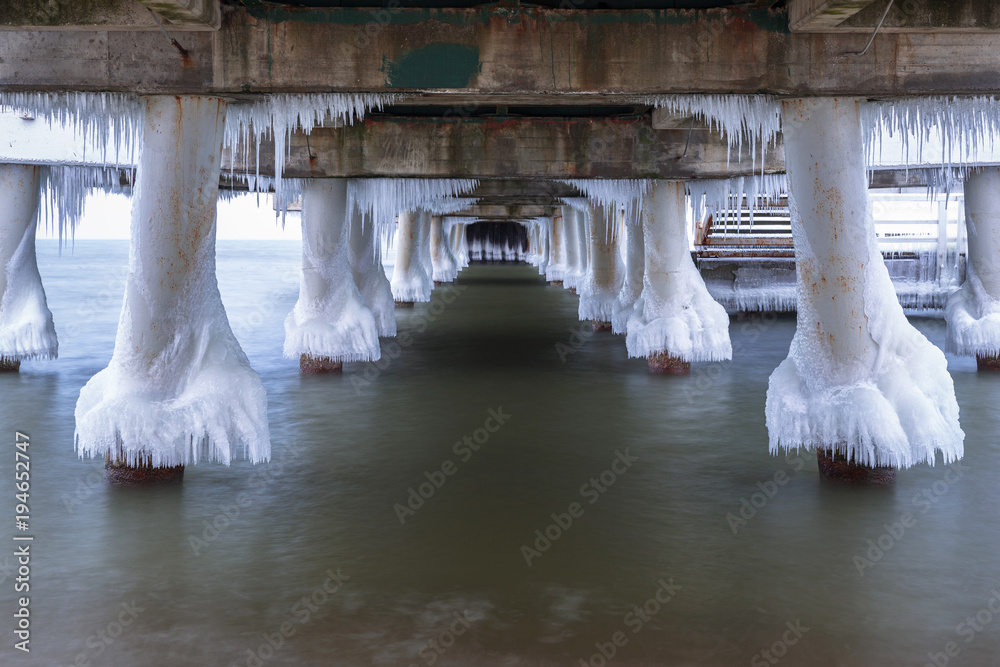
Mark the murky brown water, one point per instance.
(450, 584)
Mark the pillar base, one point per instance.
(598, 325)
(121, 474)
(556, 283)
(836, 468)
(572, 290)
(309, 365)
(988, 363)
(664, 364)
(438, 283)
(404, 304)
(8, 365)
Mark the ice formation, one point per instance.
(443, 260)
(555, 269)
(26, 328)
(179, 388)
(330, 319)
(766, 285)
(675, 313)
(605, 273)
(859, 379)
(635, 268)
(412, 275)
(973, 312)
(456, 236)
(369, 275)
(573, 228)
(538, 243)
(745, 120)
(723, 199)
(623, 194)
(279, 115)
(498, 242)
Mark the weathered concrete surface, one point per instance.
(909, 16)
(116, 15)
(820, 15)
(474, 55)
(506, 212)
(495, 148)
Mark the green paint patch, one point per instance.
(434, 66)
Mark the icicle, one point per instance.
(65, 189)
(624, 194)
(383, 198)
(742, 119)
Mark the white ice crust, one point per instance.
(675, 313)
(859, 379)
(412, 275)
(179, 388)
(605, 272)
(631, 290)
(26, 328)
(330, 318)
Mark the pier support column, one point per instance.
(459, 246)
(605, 274)
(26, 329)
(675, 320)
(330, 323)
(443, 260)
(860, 384)
(635, 269)
(369, 274)
(973, 312)
(411, 282)
(573, 275)
(178, 389)
(556, 267)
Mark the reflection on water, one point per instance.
(325, 557)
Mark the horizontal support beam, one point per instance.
(820, 15)
(505, 147)
(109, 15)
(913, 16)
(501, 55)
(508, 212)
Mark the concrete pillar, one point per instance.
(573, 275)
(538, 245)
(443, 261)
(860, 384)
(556, 267)
(675, 320)
(26, 329)
(635, 269)
(973, 312)
(460, 244)
(411, 283)
(330, 323)
(369, 274)
(605, 273)
(179, 388)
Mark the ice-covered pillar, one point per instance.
(573, 275)
(635, 269)
(330, 323)
(605, 273)
(369, 274)
(860, 384)
(675, 320)
(973, 312)
(443, 261)
(179, 388)
(26, 329)
(410, 283)
(460, 246)
(555, 270)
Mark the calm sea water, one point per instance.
(126, 577)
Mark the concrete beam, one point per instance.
(508, 212)
(502, 55)
(913, 16)
(503, 147)
(109, 15)
(821, 15)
